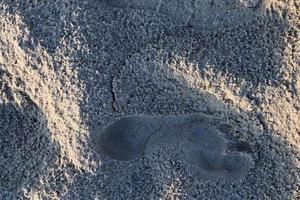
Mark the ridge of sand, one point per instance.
(69, 68)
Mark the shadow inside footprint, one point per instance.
(126, 138)
(192, 139)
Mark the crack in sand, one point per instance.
(113, 94)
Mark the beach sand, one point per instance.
(69, 68)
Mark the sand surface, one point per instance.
(68, 68)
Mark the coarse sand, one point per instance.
(70, 68)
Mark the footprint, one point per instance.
(206, 15)
(126, 138)
(194, 139)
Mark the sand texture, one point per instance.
(136, 99)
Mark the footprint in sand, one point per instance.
(199, 141)
(206, 15)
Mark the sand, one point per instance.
(70, 68)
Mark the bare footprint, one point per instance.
(204, 14)
(126, 138)
(195, 139)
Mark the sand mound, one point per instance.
(40, 127)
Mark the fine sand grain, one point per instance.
(70, 69)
